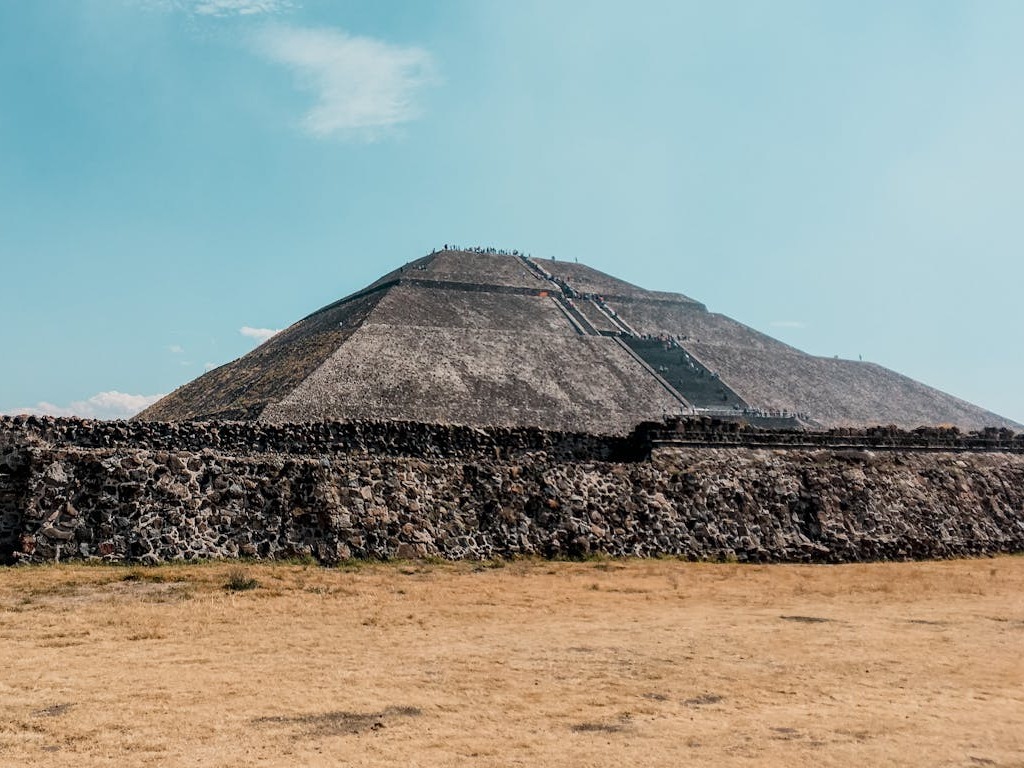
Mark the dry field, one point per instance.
(613, 663)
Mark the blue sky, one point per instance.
(176, 175)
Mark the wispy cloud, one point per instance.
(363, 87)
(788, 324)
(219, 8)
(176, 349)
(260, 334)
(238, 7)
(104, 405)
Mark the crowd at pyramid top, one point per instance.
(482, 249)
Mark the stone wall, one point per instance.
(391, 438)
(154, 493)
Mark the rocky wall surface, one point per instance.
(15, 466)
(752, 504)
(397, 438)
(391, 438)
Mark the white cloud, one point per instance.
(260, 334)
(788, 324)
(238, 7)
(176, 349)
(218, 8)
(104, 405)
(210, 366)
(363, 86)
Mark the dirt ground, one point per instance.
(611, 663)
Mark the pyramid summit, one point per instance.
(482, 337)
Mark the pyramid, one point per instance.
(487, 338)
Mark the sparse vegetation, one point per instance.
(596, 727)
(666, 662)
(239, 580)
(151, 575)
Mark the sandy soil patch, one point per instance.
(612, 663)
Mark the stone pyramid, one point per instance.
(485, 338)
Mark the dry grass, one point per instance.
(534, 663)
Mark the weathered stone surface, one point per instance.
(129, 500)
(495, 339)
